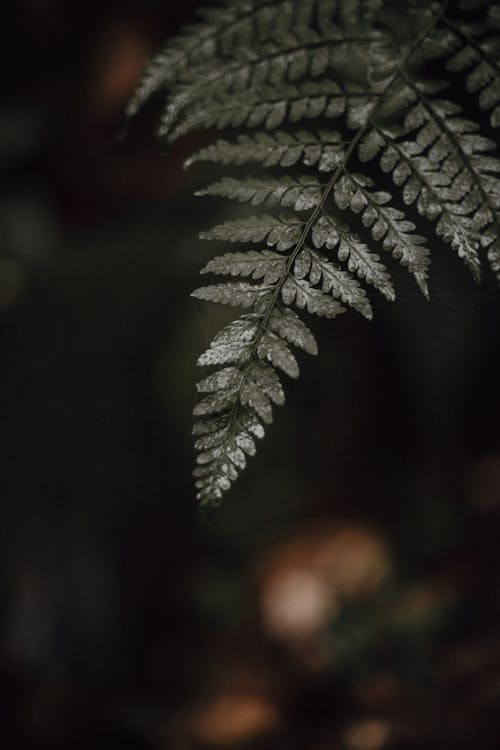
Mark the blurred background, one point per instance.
(346, 594)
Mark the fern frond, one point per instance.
(232, 343)
(426, 184)
(224, 29)
(292, 329)
(386, 224)
(281, 232)
(324, 149)
(455, 148)
(301, 193)
(279, 72)
(271, 107)
(306, 297)
(237, 294)
(317, 268)
(266, 265)
(473, 49)
(330, 233)
(275, 65)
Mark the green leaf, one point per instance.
(278, 73)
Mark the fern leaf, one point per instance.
(277, 71)
(266, 265)
(221, 380)
(282, 149)
(292, 329)
(273, 348)
(479, 57)
(272, 65)
(426, 183)
(328, 232)
(232, 344)
(271, 107)
(225, 29)
(305, 296)
(386, 224)
(303, 193)
(266, 379)
(315, 266)
(253, 396)
(156, 76)
(235, 294)
(453, 147)
(214, 403)
(279, 232)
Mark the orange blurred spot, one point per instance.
(296, 603)
(119, 61)
(233, 718)
(368, 734)
(305, 581)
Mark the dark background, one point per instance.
(346, 593)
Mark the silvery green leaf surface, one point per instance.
(279, 232)
(289, 62)
(386, 224)
(280, 148)
(268, 106)
(225, 29)
(237, 293)
(255, 398)
(275, 350)
(302, 193)
(480, 58)
(213, 403)
(212, 440)
(305, 296)
(233, 344)
(371, 145)
(360, 260)
(353, 95)
(250, 423)
(222, 380)
(268, 381)
(319, 270)
(266, 265)
(225, 353)
(291, 328)
(437, 188)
